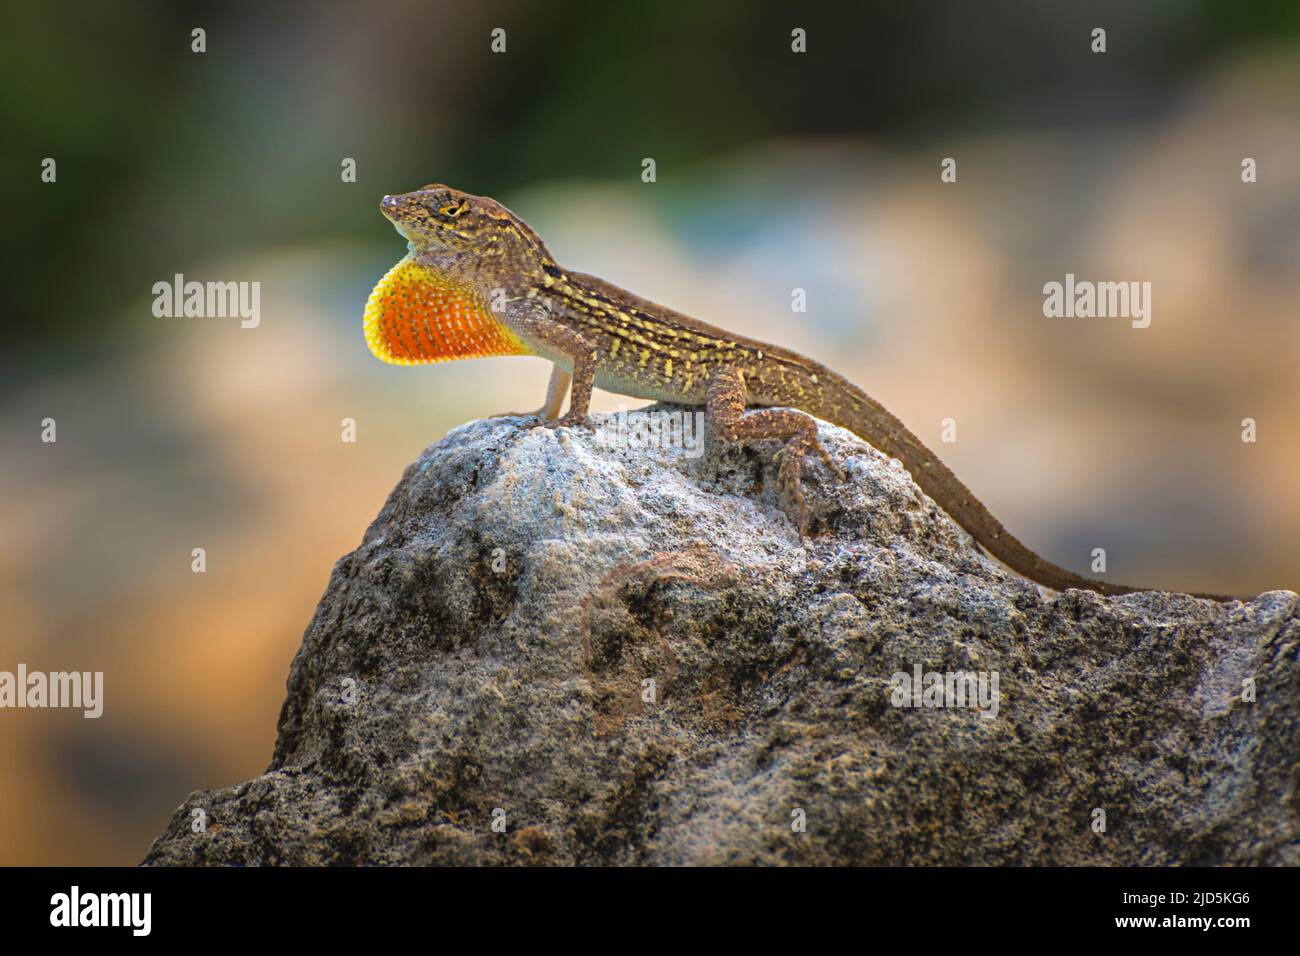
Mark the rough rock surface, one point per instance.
(486, 651)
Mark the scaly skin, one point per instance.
(479, 281)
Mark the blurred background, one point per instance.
(775, 171)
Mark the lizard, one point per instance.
(477, 281)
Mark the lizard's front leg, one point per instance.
(535, 325)
(728, 420)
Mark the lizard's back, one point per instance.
(651, 351)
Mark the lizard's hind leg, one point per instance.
(729, 420)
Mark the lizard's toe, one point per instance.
(830, 462)
(789, 484)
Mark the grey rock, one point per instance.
(486, 651)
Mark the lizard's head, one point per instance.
(438, 220)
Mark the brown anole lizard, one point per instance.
(479, 282)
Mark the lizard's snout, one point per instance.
(398, 211)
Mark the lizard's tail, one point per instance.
(843, 403)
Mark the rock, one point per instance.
(547, 650)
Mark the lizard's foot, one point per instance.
(570, 420)
(789, 484)
(789, 477)
(731, 422)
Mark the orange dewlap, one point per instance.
(414, 316)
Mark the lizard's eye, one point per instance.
(454, 209)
